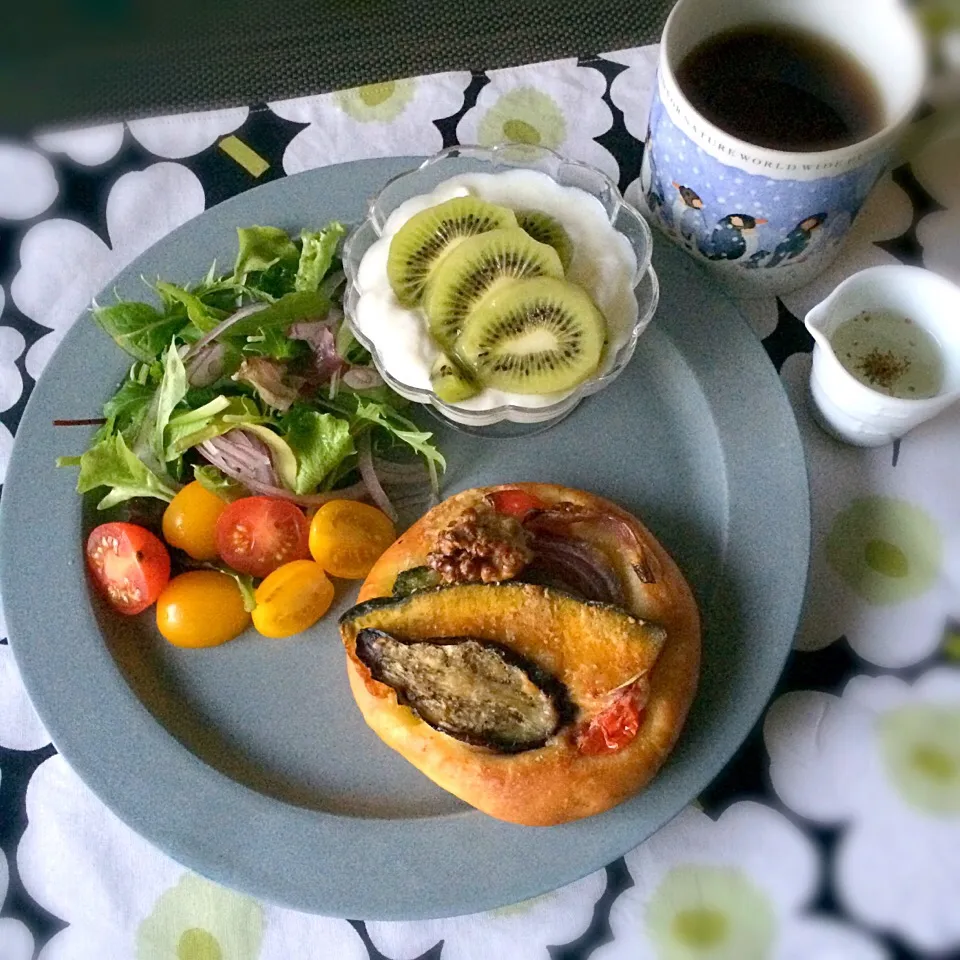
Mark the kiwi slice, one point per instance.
(541, 226)
(475, 268)
(533, 336)
(419, 245)
(449, 381)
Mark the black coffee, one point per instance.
(782, 88)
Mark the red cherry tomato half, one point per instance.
(129, 565)
(515, 503)
(256, 535)
(615, 726)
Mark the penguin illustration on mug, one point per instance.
(687, 210)
(797, 241)
(733, 238)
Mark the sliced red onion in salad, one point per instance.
(370, 478)
(395, 471)
(206, 365)
(362, 378)
(244, 457)
(356, 491)
(222, 326)
(422, 498)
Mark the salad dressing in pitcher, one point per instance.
(889, 353)
(886, 354)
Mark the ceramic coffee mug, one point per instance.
(766, 221)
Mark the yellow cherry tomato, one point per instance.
(202, 608)
(190, 521)
(292, 598)
(347, 537)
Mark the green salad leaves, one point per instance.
(241, 381)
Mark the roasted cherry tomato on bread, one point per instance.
(616, 725)
(202, 608)
(129, 565)
(256, 535)
(347, 537)
(190, 521)
(515, 503)
(293, 598)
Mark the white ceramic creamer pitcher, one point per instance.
(848, 408)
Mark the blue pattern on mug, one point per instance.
(724, 214)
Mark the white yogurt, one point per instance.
(603, 264)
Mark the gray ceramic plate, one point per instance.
(250, 762)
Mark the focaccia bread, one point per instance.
(530, 648)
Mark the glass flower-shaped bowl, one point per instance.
(513, 419)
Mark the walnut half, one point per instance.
(480, 545)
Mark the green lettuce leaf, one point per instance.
(218, 483)
(244, 582)
(226, 293)
(219, 416)
(173, 388)
(147, 373)
(272, 342)
(260, 248)
(140, 329)
(352, 350)
(202, 316)
(316, 255)
(110, 463)
(300, 305)
(211, 277)
(126, 409)
(402, 429)
(380, 393)
(319, 441)
(247, 589)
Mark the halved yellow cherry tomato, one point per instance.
(190, 521)
(202, 608)
(347, 537)
(292, 598)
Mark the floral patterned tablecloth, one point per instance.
(834, 834)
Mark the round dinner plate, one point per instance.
(250, 762)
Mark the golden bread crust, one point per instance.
(555, 783)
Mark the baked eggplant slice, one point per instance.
(591, 648)
(473, 690)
